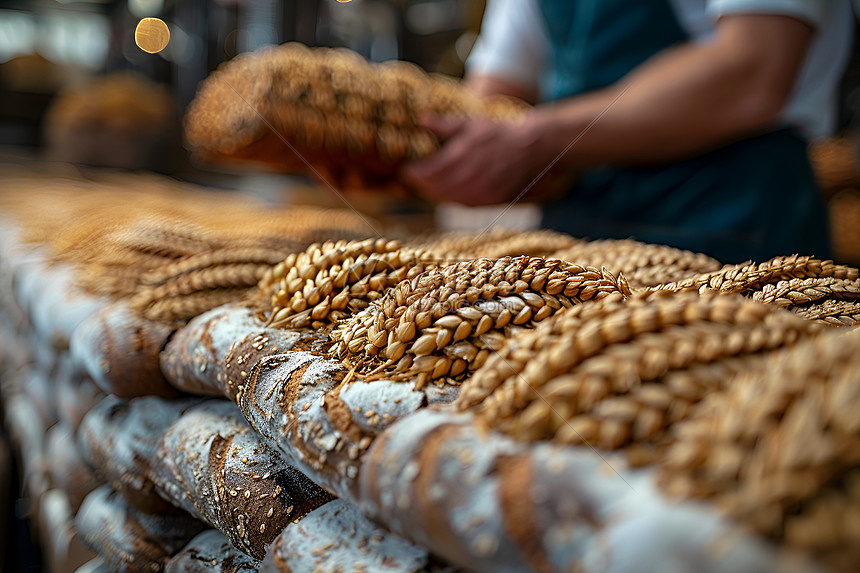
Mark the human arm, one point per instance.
(510, 51)
(684, 101)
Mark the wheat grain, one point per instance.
(451, 318)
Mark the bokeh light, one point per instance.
(151, 35)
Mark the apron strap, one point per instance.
(597, 42)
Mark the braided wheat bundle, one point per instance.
(447, 321)
(330, 105)
(617, 373)
(778, 449)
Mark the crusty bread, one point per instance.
(119, 349)
(130, 541)
(212, 465)
(194, 359)
(200, 456)
(211, 552)
(67, 467)
(120, 439)
(75, 392)
(338, 537)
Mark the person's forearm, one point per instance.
(685, 101)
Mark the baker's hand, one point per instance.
(481, 162)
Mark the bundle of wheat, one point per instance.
(329, 105)
(457, 246)
(617, 373)
(446, 322)
(643, 264)
(813, 288)
(328, 282)
(778, 449)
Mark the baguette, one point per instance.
(338, 537)
(47, 293)
(212, 465)
(120, 440)
(131, 541)
(67, 467)
(119, 350)
(487, 503)
(305, 405)
(211, 552)
(76, 394)
(194, 359)
(422, 481)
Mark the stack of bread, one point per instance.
(205, 383)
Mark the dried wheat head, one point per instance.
(455, 246)
(814, 288)
(328, 282)
(643, 264)
(617, 372)
(779, 449)
(444, 323)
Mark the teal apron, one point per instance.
(750, 200)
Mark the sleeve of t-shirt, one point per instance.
(813, 12)
(512, 44)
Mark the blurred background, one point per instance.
(72, 68)
(76, 89)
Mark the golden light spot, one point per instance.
(344, 1)
(151, 35)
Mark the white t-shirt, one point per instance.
(513, 45)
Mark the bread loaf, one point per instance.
(211, 552)
(194, 359)
(75, 393)
(487, 503)
(212, 465)
(53, 303)
(67, 467)
(130, 541)
(120, 439)
(119, 350)
(338, 537)
(320, 420)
